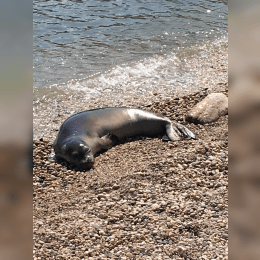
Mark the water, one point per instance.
(122, 47)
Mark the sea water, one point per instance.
(124, 47)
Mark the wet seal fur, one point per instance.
(83, 135)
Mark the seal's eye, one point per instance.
(84, 148)
(77, 155)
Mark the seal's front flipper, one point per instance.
(185, 131)
(113, 138)
(108, 140)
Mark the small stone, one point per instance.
(164, 203)
(115, 186)
(155, 206)
(102, 216)
(129, 255)
(71, 236)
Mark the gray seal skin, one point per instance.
(83, 135)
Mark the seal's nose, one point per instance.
(86, 164)
(90, 158)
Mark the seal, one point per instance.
(83, 135)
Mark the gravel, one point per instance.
(145, 199)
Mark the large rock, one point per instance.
(209, 109)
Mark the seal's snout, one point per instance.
(88, 158)
(87, 162)
(82, 159)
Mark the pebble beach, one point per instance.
(144, 199)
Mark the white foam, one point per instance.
(148, 75)
(158, 74)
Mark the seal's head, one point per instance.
(77, 152)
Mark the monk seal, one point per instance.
(83, 135)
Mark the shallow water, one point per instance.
(121, 48)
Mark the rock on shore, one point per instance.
(210, 109)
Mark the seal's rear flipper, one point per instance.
(186, 132)
(113, 138)
(175, 131)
